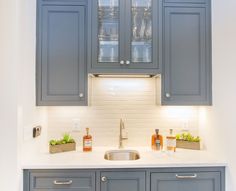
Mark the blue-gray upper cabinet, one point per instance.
(123, 181)
(187, 55)
(201, 181)
(126, 37)
(61, 53)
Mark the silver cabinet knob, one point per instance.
(167, 95)
(127, 62)
(81, 95)
(104, 179)
(122, 62)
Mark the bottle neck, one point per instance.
(87, 131)
(171, 131)
(157, 132)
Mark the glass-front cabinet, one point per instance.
(108, 31)
(141, 31)
(126, 36)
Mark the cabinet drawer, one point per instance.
(196, 181)
(79, 181)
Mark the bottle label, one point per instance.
(87, 143)
(158, 144)
(171, 142)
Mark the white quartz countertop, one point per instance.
(95, 159)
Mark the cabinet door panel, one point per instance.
(125, 181)
(186, 68)
(62, 56)
(207, 181)
(143, 25)
(107, 34)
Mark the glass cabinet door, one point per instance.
(108, 31)
(126, 36)
(141, 40)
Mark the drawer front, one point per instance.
(194, 181)
(79, 181)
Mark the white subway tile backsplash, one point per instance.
(136, 100)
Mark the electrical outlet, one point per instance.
(76, 125)
(37, 131)
(185, 125)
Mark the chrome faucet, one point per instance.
(121, 137)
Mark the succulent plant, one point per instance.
(65, 139)
(187, 137)
(53, 142)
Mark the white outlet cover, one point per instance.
(76, 124)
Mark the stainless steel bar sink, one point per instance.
(119, 155)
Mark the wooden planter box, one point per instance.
(187, 145)
(62, 148)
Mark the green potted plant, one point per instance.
(67, 143)
(187, 141)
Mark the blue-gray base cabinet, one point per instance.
(123, 180)
(140, 179)
(186, 71)
(62, 48)
(187, 180)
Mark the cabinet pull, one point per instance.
(186, 177)
(127, 62)
(104, 179)
(59, 182)
(168, 95)
(122, 62)
(81, 95)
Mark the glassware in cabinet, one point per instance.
(108, 31)
(141, 31)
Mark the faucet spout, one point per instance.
(121, 137)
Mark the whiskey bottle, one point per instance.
(87, 141)
(171, 142)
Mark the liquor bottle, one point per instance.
(171, 142)
(87, 141)
(157, 141)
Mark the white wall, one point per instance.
(9, 180)
(17, 85)
(220, 129)
(29, 115)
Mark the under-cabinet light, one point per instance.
(122, 76)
